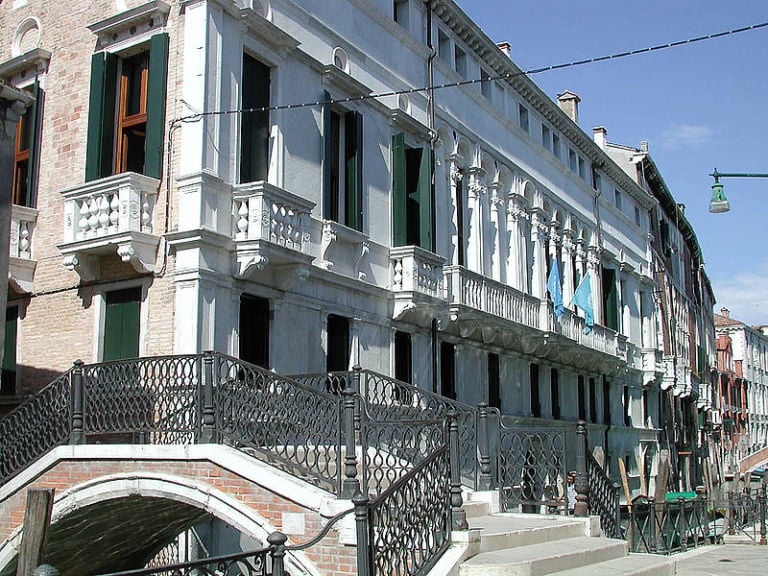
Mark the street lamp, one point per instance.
(719, 202)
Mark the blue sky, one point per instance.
(699, 106)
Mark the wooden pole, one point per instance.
(37, 518)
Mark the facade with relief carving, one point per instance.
(175, 199)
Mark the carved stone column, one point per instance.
(476, 229)
(593, 269)
(455, 181)
(517, 255)
(566, 259)
(500, 247)
(539, 237)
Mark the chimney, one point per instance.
(725, 312)
(505, 47)
(644, 146)
(569, 103)
(600, 136)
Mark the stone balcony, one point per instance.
(22, 263)
(113, 215)
(270, 226)
(416, 278)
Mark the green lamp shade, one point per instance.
(719, 202)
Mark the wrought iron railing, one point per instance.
(37, 426)
(603, 498)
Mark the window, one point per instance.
(646, 412)
(254, 126)
(582, 168)
(412, 195)
(638, 217)
(592, 401)
(444, 46)
(610, 299)
(486, 86)
(126, 116)
(460, 61)
(254, 330)
(556, 146)
(554, 392)
(522, 112)
(535, 393)
(617, 198)
(597, 182)
(343, 167)
(494, 381)
(24, 151)
(460, 229)
(122, 324)
(627, 407)
(403, 357)
(581, 400)
(606, 401)
(546, 137)
(573, 162)
(8, 379)
(338, 349)
(448, 370)
(400, 12)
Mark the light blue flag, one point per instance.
(555, 290)
(582, 297)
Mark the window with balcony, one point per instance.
(8, 379)
(610, 299)
(26, 143)
(126, 114)
(254, 330)
(121, 324)
(343, 166)
(412, 195)
(254, 126)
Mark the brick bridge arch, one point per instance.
(755, 460)
(116, 506)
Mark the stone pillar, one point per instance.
(475, 237)
(456, 177)
(593, 269)
(539, 238)
(517, 260)
(499, 247)
(566, 259)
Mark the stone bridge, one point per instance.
(755, 460)
(118, 505)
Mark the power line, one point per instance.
(507, 76)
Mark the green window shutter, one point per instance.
(327, 156)
(610, 299)
(31, 175)
(121, 324)
(399, 193)
(156, 87)
(424, 191)
(353, 138)
(101, 116)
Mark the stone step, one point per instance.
(476, 509)
(544, 558)
(500, 531)
(632, 565)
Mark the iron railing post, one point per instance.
(762, 503)
(208, 432)
(362, 530)
(77, 434)
(652, 516)
(581, 483)
(683, 528)
(277, 541)
(731, 514)
(350, 485)
(485, 481)
(356, 379)
(458, 514)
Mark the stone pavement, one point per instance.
(726, 560)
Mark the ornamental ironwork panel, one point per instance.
(668, 527)
(290, 425)
(392, 449)
(409, 524)
(331, 382)
(531, 469)
(251, 563)
(154, 400)
(389, 399)
(35, 427)
(603, 498)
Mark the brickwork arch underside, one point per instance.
(120, 522)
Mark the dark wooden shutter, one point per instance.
(610, 299)
(101, 116)
(353, 144)
(156, 95)
(399, 192)
(327, 156)
(32, 117)
(424, 192)
(121, 324)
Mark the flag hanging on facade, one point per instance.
(582, 297)
(555, 290)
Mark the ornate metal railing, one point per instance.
(667, 527)
(603, 498)
(408, 526)
(36, 427)
(531, 469)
